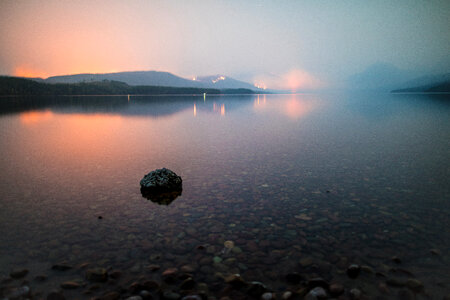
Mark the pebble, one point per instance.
(97, 274)
(70, 285)
(55, 296)
(293, 278)
(61, 267)
(336, 289)
(16, 293)
(192, 297)
(353, 270)
(187, 284)
(414, 285)
(134, 298)
(396, 282)
(267, 296)
(235, 280)
(305, 262)
(287, 295)
(355, 294)
(316, 293)
(18, 273)
(169, 295)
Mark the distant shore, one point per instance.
(15, 86)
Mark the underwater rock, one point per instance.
(161, 186)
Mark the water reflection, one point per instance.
(164, 198)
(292, 106)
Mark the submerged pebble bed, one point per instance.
(278, 222)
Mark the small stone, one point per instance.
(134, 298)
(316, 293)
(169, 275)
(315, 282)
(61, 267)
(70, 285)
(382, 287)
(436, 252)
(97, 274)
(192, 297)
(229, 244)
(293, 278)
(353, 270)
(55, 296)
(217, 259)
(405, 295)
(110, 296)
(287, 295)
(17, 293)
(40, 278)
(235, 280)
(256, 288)
(146, 295)
(267, 296)
(414, 285)
(305, 262)
(169, 295)
(187, 284)
(396, 259)
(396, 282)
(355, 294)
(187, 269)
(115, 274)
(367, 269)
(154, 268)
(18, 273)
(336, 289)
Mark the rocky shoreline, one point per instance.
(90, 281)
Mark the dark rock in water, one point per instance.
(110, 296)
(18, 273)
(353, 271)
(161, 186)
(97, 274)
(161, 180)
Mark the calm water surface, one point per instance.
(299, 183)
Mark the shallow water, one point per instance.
(325, 180)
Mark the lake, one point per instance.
(280, 189)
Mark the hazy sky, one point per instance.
(310, 43)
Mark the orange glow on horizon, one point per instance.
(22, 71)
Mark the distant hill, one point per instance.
(223, 82)
(429, 84)
(379, 76)
(155, 78)
(20, 86)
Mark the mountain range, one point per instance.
(154, 78)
